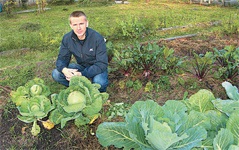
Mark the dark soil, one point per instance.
(16, 134)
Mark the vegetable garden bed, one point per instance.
(16, 134)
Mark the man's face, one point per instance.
(78, 25)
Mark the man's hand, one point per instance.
(70, 73)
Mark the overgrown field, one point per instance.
(157, 51)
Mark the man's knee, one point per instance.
(102, 80)
(56, 75)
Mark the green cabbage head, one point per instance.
(76, 102)
(32, 88)
(80, 102)
(36, 89)
(35, 108)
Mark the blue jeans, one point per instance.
(101, 79)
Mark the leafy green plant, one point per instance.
(137, 85)
(230, 105)
(132, 28)
(110, 50)
(80, 102)
(231, 26)
(117, 110)
(163, 83)
(33, 110)
(129, 84)
(202, 64)
(146, 57)
(32, 102)
(124, 61)
(169, 62)
(195, 123)
(228, 62)
(149, 87)
(35, 87)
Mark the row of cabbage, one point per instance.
(80, 102)
(201, 122)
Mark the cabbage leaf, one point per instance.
(232, 91)
(201, 101)
(90, 102)
(223, 140)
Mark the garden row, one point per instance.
(200, 121)
(150, 59)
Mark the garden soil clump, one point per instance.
(16, 134)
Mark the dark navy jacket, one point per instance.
(90, 53)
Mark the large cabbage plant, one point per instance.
(199, 122)
(32, 102)
(80, 102)
(30, 89)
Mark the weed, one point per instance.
(117, 110)
(7, 109)
(162, 84)
(149, 87)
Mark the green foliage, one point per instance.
(231, 26)
(192, 123)
(31, 27)
(169, 62)
(9, 5)
(132, 28)
(230, 105)
(34, 109)
(35, 87)
(201, 101)
(32, 102)
(137, 85)
(163, 83)
(146, 57)
(149, 87)
(202, 64)
(85, 109)
(117, 110)
(124, 60)
(110, 50)
(228, 62)
(80, 102)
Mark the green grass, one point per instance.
(105, 19)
